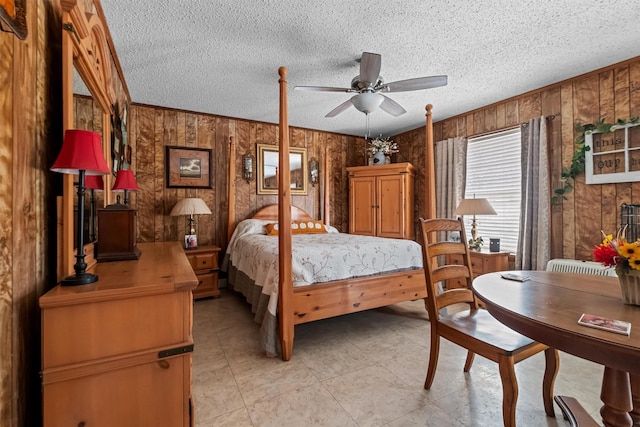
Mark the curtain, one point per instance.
(533, 237)
(451, 172)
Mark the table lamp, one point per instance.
(125, 181)
(474, 207)
(190, 206)
(93, 183)
(81, 154)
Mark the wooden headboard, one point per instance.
(270, 212)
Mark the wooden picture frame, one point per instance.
(268, 163)
(13, 15)
(614, 156)
(188, 167)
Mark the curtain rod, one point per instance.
(478, 135)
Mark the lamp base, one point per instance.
(79, 279)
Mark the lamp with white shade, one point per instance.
(191, 206)
(474, 207)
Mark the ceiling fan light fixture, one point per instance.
(367, 102)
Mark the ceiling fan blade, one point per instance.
(392, 107)
(323, 89)
(370, 67)
(340, 108)
(418, 83)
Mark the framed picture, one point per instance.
(190, 241)
(268, 159)
(13, 17)
(188, 167)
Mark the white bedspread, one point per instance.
(317, 257)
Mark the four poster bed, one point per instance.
(273, 277)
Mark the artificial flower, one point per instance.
(617, 252)
(382, 144)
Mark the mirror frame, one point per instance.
(296, 155)
(85, 48)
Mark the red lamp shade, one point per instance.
(94, 182)
(81, 150)
(125, 181)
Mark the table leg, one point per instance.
(616, 396)
(635, 397)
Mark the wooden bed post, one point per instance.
(326, 194)
(231, 190)
(285, 279)
(429, 168)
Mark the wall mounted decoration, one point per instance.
(248, 166)
(613, 156)
(13, 17)
(188, 167)
(268, 166)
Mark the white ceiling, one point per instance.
(222, 57)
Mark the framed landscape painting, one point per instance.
(188, 167)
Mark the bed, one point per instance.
(332, 273)
(315, 301)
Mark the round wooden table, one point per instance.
(547, 307)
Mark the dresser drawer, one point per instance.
(476, 263)
(207, 286)
(85, 332)
(203, 261)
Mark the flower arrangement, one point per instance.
(385, 145)
(617, 252)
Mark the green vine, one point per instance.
(568, 176)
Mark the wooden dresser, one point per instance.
(482, 262)
(381, 200)
(118, 352)
(204, 261)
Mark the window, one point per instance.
(494, 173)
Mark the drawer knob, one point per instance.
(163, 364)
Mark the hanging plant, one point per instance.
(568, 176)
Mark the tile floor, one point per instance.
(363, 369)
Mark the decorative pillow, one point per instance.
(298, 227)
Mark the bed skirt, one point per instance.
(240, 282)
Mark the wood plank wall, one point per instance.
(30, 136)
(613, 93)
(152, 128)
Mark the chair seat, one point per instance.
(481, 326)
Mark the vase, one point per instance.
(378, 158)
(630, 287)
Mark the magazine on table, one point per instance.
(606, 324)
(518, 277)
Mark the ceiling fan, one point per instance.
(369, 84)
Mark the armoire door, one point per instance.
(390, 196)
(362, 206)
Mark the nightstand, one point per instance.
(204, 261)
(482, 262)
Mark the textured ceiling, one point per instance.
(222, 57)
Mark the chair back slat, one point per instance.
(437, 271)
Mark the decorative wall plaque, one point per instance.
(613, 156)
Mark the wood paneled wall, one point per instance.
(30, 136)
(152, 128)
(612, 93)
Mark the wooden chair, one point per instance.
(475, 329)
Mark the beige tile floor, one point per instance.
(363, 369)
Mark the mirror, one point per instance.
(268, 165)
(85, 54)
(87, 116)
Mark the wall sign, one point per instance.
(613, 156)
